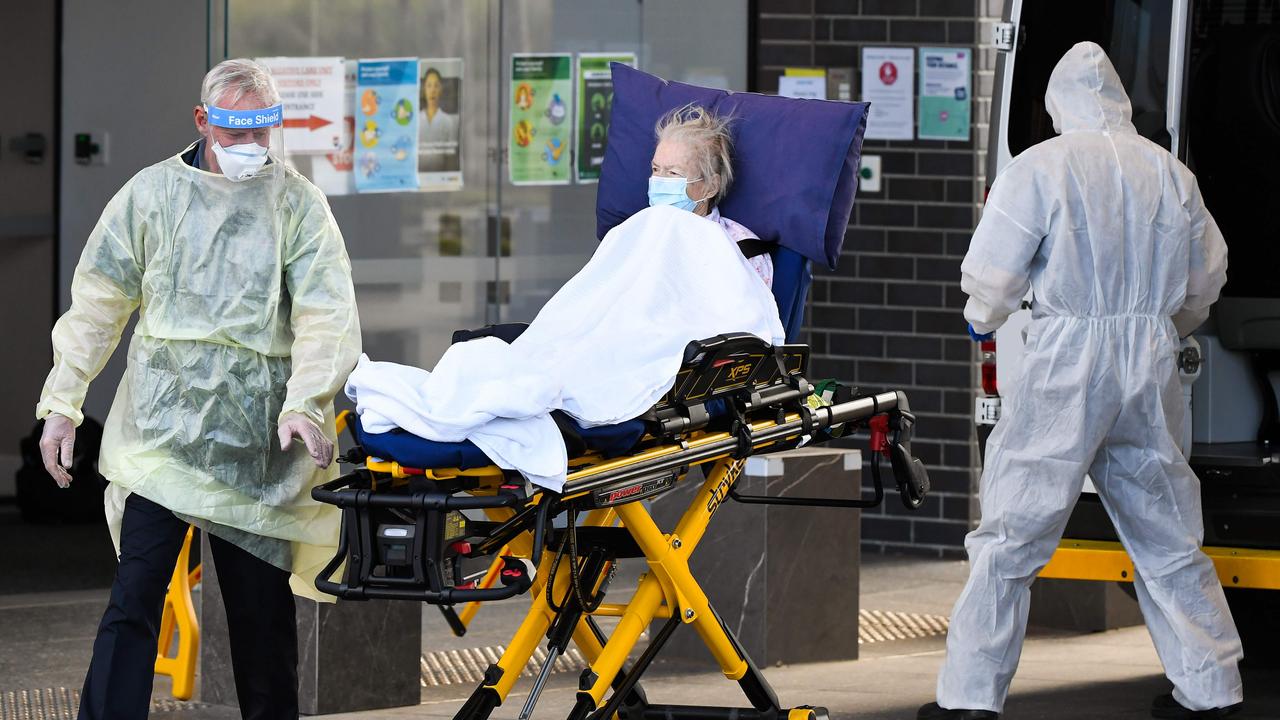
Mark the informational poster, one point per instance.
(888, 83)
(311, 92)
(541, 130)
(332, 172)
(595, 103)
(386, 125)
(945, 95)
(808, 83)
(440, 123)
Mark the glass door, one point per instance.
(549, 232)
(429, 261)
(421, 259)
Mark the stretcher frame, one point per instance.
(179, 618)
(1107, 560)
(608, 491)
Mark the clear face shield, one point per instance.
(248, 143)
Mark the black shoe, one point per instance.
(1164, 706)
(933, 711)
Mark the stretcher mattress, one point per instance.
(412, 451)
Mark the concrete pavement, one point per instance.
(45, 642)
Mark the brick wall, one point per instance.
(890, 315)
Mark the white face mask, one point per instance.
(240, 162)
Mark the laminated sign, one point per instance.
(386, 125)
(541, 112)
(311, 90)
(888, 83)
(945, 96)
(595, 104)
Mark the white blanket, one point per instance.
(604, 349)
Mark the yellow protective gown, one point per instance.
(246, 313)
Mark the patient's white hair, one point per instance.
(231, 80)
(708, 136)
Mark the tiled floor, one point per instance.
(45, 640)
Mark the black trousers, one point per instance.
(260, 622)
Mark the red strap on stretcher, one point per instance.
(880, 434)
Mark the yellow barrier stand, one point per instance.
(180, 616)
(1107, 560)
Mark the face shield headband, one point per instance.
(245, 119)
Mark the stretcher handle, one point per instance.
(862, 408)
(875, 500)
(335, 492)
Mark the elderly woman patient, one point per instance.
(608, 344)
(693, 169)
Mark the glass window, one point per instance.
(420, 260)
(428, 263)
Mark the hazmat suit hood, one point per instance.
(1085, 93)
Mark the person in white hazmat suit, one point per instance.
(247, 327)
(1109, 232)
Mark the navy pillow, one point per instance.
(795, 161)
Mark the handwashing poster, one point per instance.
(386, 125)
(595, 102)
(541, 129)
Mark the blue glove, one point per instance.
(979, 338)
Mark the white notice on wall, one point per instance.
(311, 89)
(803, 86)
(888, 83)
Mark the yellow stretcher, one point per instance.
(405, 529)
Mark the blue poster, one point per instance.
(386, 125)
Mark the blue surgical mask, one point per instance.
(672, 191)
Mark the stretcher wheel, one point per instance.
(913, 479)
(808, 712)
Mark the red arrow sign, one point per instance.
(312, 123)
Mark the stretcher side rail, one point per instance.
(722, 445)
(912, 480)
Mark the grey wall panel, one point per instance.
(132, 69)
(27, 40)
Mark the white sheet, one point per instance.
(604, 349)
